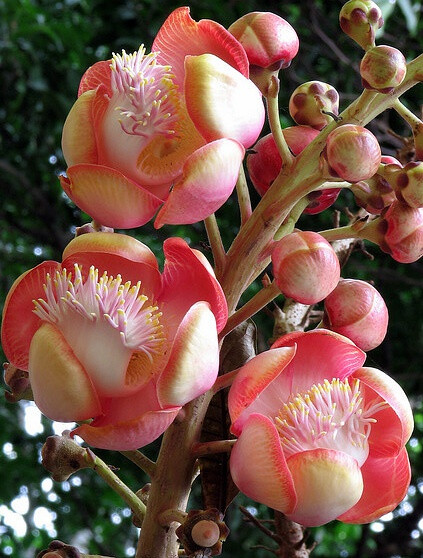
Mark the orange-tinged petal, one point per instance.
(78, 136)
(394, 424)
(209, 177)
(130, 434)
(61, 387)
(386, 482)
(194, 359)
(180, 35)
(19, 321)
(108, 196)
(186, 281)
(251, 380)
(221, 102)
(327, 483)
(97, 74)
(162, 160)
(258, 465)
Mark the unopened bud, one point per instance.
(352, 152)
(376, 193)
(321, 200)
(269, 40)
(357, 310)
(360, 19)
(383, 68)
(408, 183)
(58, 549)
(403, 236)
(18, 382)
(314, 103)
(305, 267)
(62, 456)
(203, 529)
(205, 533)
(265, 163)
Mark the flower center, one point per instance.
(148, 96)
(329, 415)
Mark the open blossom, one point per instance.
(320, 437)
(106, 336)
(150, 129)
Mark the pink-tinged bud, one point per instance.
(305, 267)
(403, 238)
(265, 163)
(408, 183)
(203, 529)
(269, 40)
(357, 310)
(321, 200)
(383, 68)
(360, 19)
(376, 193)
(353, 153)
(205, 533)
(314, 103)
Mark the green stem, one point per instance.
(169, 516)
(142, 461)
(340, 233)
(412, 120)
(216, 244)
(275, 123)
(254, 305)
(209, 448)
(243, 194)
(289, 224)
(104, 471)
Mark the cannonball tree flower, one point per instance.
(132, 144)
(106, 336)
(319, 436)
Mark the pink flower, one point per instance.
(105, 335)
(150, 129)
(320, 437)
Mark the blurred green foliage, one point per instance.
(45, 46)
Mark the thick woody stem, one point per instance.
(171, 485)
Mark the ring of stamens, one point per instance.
(150, 101)
(121, 305)
(331, 415)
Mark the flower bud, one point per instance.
(360, 19)
(310, 102)
(357, 310)
(321, 200)
(265, 163)
(203, 529)
(403, 238)
(305, 267)
(353, 153)
(376, 193)
(269, 40)
(62, 456)
(383, 68)
(205, 533)
(58, 549)
(408, 183)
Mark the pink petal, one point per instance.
(19, 321)
(394, 424)
(186, 281)
(97, 74)
(62, 390)
(341, 358)
(115, 254)
(327, 483)
(194, 359)
(180, 35)
(246, 395)
(78, 137)
(221, 102)
(108, 196)
(386, 482)
(209, 177)
(129, 434)
(258, 465)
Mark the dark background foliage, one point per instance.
(44, 48)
